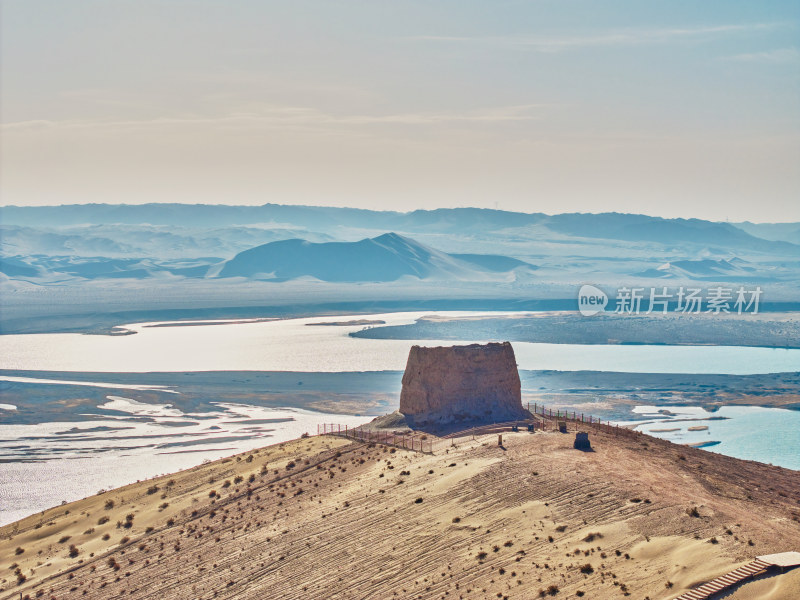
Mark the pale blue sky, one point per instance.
(666, 108)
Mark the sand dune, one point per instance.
(328, 518)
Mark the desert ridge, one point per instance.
(325, 517)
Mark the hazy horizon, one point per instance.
(390, 209)
(664, 109)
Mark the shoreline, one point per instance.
(761, 330)
(609, 395)
(554, 318)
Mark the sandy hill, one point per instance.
(324, 517)
(387, 257)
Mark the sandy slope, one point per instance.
(326, 518)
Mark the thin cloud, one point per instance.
(301, 116)
(778, 56)
(626, 37)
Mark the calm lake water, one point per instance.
(299, 345)
(768, 435)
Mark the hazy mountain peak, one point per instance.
(386, 257)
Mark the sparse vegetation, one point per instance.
(551, 590)
(195, 535)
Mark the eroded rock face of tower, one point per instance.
(452, 384)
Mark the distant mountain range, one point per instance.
(277, 242)
(387, 257)
(784, 232)
(160, 241)
(616, 226)
(734, 269)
